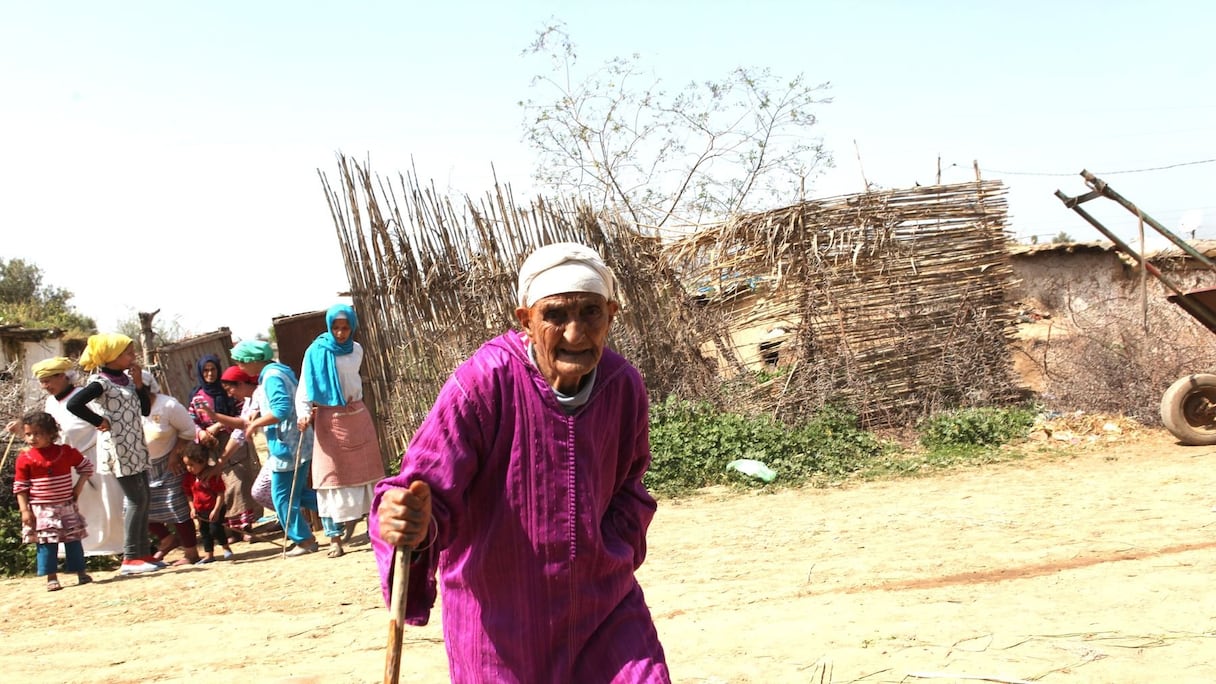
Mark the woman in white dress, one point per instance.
(167, 428)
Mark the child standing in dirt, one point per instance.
(206, 496)
(47, 498)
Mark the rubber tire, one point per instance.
(1180, 413)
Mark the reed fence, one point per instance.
(432, 280)
(892, 302)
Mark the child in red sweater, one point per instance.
(43, 484)
(206, 496)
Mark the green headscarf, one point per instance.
(249, 351)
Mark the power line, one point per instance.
(1102, 173)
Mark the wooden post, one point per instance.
(146, 336)
(864, 181)
(1143, 277)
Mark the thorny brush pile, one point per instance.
(1108, 357)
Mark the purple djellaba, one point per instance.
(522, 491)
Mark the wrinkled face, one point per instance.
(125, 360)
(568, 332)
(55, 384)
(340, 330)
(36, 438)
(211, 372)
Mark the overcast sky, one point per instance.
(165, 155)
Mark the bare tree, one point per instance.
(140, 326)
(713, 148)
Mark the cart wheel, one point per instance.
(1188, 409)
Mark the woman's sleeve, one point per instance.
(78, 403)
(303, 405)
(84, 467)
(180, 420)
(279, 401)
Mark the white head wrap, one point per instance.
(564, 267)
(150, 381)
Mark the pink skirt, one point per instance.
(55, 523)
(346, 452)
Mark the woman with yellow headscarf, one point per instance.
(123, 399)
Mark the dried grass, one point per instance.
(1111, 364)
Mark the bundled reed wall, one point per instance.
(893, 302)
(432, 281)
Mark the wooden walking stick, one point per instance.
(291, 493)
(3, 461)
(396, 622)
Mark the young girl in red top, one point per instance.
(206, 499)
(47, 498)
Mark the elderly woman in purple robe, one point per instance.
(523, 490)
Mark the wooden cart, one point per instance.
(1188, 407)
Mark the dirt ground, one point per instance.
(1084, 563)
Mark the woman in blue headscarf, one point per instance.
(346, 461)
(208, 399)
(209, 392)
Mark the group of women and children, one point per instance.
(114, 463)
(535, 448)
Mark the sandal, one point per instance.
(83, 578)
(53, 585)
(301, 550)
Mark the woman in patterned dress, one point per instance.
(114, 402)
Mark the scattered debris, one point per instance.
(1079, 427)
(752, 468)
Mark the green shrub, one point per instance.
(975, 427)
(16, 558)
(691, 443)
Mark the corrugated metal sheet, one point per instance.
(294, 333)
